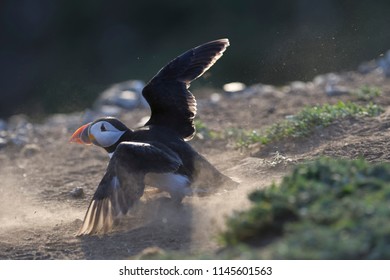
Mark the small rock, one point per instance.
(262, 89)
(234, 87)
(128, 99)
(16, 122)
(322, 80)
(77, 192)
(331, 82)
(215, 98)
(3, 142)
(384, 64)
(336, 90)
(319, 80)
(20, 130)
(30, 150)
(19, 140)
(367, 67)
(298, 86)
(110, 110)
(125, 95)
(150, 253)
(250, 91)
(3, 125)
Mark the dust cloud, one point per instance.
(210, 212)
(19, 210)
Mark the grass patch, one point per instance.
(328, 209)
(203, 132)
(303, 123)
(367, 93)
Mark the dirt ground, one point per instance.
(39, 217)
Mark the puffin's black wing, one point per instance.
(123, 183)
(171, 103)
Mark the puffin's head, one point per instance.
(104, 132)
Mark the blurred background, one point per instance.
(58, 55)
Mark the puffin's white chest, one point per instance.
(170, 182)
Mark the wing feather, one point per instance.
(172, 104)
(123, 183)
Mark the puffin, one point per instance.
(156, 154)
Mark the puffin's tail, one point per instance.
(208, 179)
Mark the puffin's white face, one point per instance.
(104, 134)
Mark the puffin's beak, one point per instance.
(81, 135)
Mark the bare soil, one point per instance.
(39, 217)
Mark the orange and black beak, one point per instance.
(82, 135)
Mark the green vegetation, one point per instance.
(328, 209)
(367, 93)
(203, 132)
(299, 125)
(303, 123)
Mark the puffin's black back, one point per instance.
(171, 140)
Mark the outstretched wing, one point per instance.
(123, 183)
(171, 103)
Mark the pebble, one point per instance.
(298, 86)
(367, 67)
(128, 99)
(149, 253)
(215, 98)
(3, 142)
(16, 122)
(3, 134)
(19, 140)
(20, 130)
(234, 87)
(331, 84)
(246, 92)
(3, 125)
(384, 63)
(319, 80)
(77, 192)
(263, 89)
(30, 150)
(126, 95)
(323, 80)
(110, 110)
(336, 90)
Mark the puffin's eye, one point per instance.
(102, 127)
